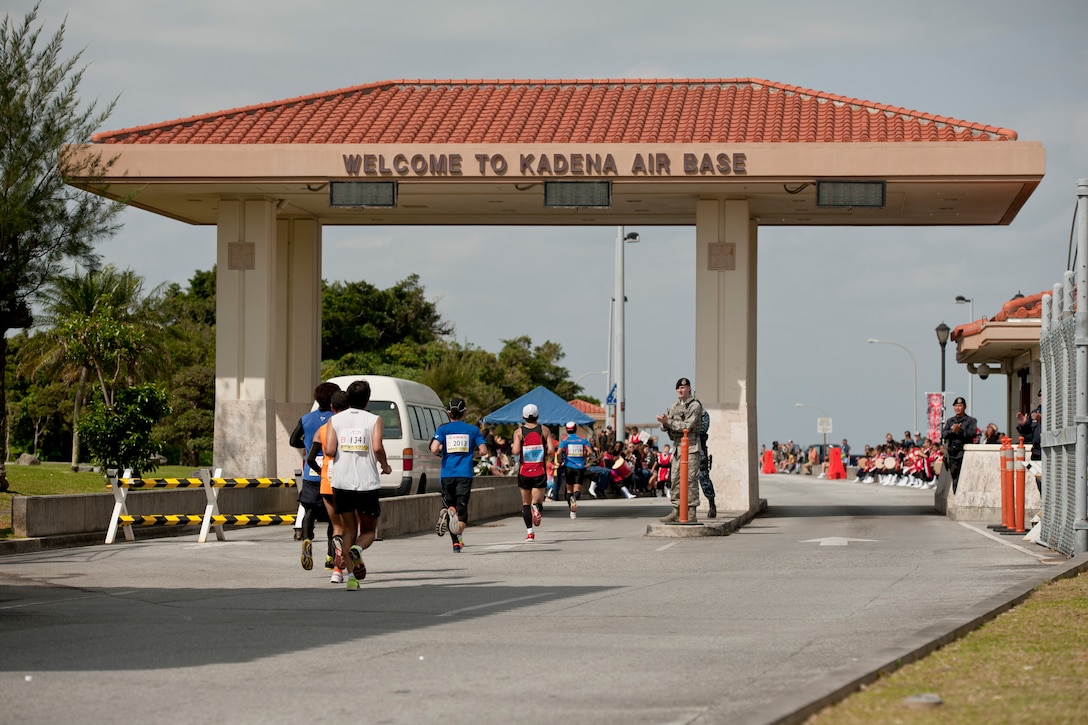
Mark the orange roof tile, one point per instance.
(732, 110)
(587, 407)
(1018, 308)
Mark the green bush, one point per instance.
(121, 437)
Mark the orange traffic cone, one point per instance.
(834, 464)
(768, 462)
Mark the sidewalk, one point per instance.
(592, 623)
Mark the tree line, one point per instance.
(115, 376)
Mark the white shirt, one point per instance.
(355, 468)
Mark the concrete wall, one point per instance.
(978, 494)
(89, 513)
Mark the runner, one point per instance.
(574, 450)
(532, 442)
(354, 441)
(318, 461)
(455, 441)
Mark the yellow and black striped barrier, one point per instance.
(211, 516)
(161, 520)
(161, 482)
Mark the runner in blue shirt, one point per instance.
(575, 450)
(455, 442)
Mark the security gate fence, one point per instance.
(1063, 354)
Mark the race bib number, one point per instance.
(532, 454)
(354, 441)
(320, 462)
(457, 443)
(576, 450)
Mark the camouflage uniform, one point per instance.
(685, 415)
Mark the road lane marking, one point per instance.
(494, 604)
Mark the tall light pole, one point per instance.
(621, 401)
(914, 364)
(806, 405)
(961, 300)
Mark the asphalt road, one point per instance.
(592, 623)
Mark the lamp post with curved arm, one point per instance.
(914, 365)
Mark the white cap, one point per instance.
(572, 426)
(529, 411)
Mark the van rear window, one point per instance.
(390, 415)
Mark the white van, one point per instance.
(410, 413)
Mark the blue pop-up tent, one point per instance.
(552, 410)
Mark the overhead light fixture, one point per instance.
(869, 194)
(577, 194)
(363, 194)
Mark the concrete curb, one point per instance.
(844, 682)
(729, 522)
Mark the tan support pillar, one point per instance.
(267, 315)
(725, 346)
(299, 361)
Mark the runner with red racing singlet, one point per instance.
(532, 443)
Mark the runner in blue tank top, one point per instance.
(575, 450)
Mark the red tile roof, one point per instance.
(586, 407)
(1018, 308)
(732, 110)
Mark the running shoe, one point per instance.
(530, 536)
(536, 514)
(353, 583)
(456, 546)
(574, 512)
(443, 524)
(329, 562)
(358, 568)
(454, 522)
(337, 577)
(307, 554)
(338, 549)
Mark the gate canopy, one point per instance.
(478, 152)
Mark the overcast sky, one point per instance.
(822, 292)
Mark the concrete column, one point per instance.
(267, 335)
(725, 346)
(298, 243)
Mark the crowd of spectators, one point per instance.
(913, 460)
(624, 468)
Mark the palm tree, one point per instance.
(107, 292)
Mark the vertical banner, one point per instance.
(934, 416)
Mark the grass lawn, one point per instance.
(1028, 665)
(58, 478)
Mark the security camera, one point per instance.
(631, 237)
(983, 373)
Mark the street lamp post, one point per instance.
(621, 401)
(806, 405)
(942, 340)
(914, 364)
(961, 300)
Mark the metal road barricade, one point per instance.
(211, 516)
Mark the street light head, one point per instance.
(942, 334)
(961, 300)
(873, 339)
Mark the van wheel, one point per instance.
(422, 487)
